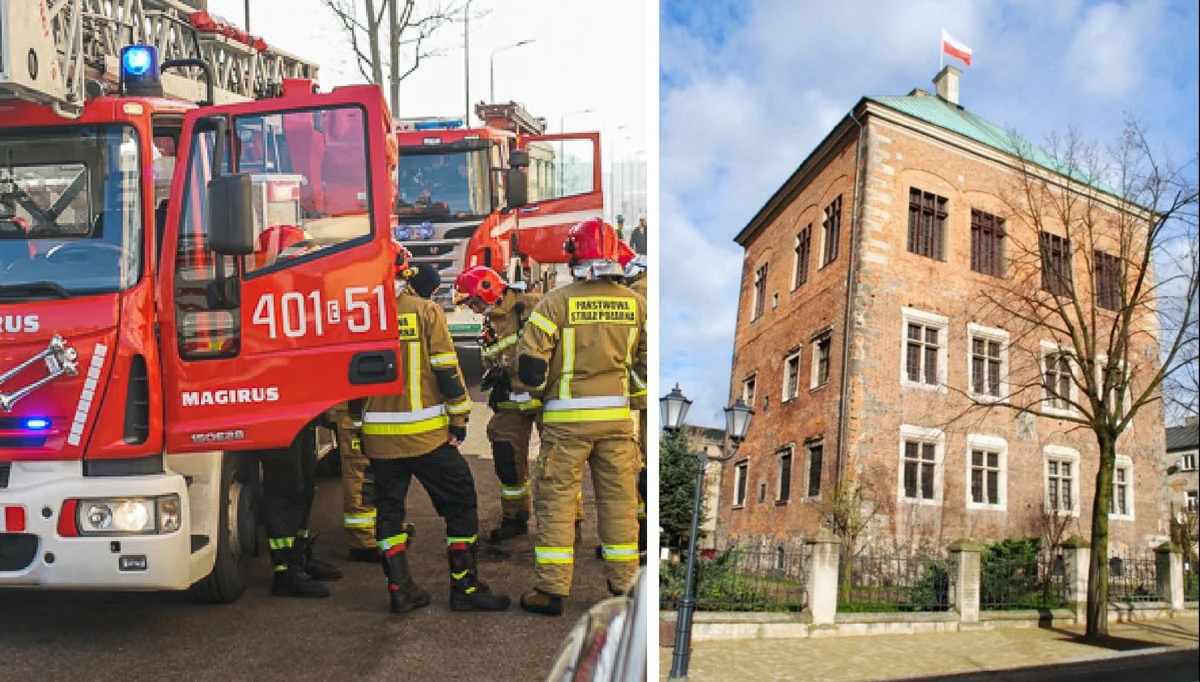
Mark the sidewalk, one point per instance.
(893, 657)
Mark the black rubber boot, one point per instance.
(510, 528)
(467, 591)
(316, 567)
(402, 591)
(542, 603)
(293, 582)
(614, 591)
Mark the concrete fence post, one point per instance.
(823, 577)
(1077, 552)
(1169, 562)
(966, 556)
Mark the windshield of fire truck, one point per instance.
(442, 182)
(70, 211)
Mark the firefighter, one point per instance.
(580, 345)
(417, 433)
(505, 310)
(288, 489)
(635, 278)
(358, 518)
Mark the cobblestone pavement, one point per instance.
(893, 657)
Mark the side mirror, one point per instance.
(518, 158)
(516, 188)
(231, 215)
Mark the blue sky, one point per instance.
(748, 89)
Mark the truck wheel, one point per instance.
(237, 530)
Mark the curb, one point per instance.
(1057, 665)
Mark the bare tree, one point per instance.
(1100, 292)
(395, 27)
(848, 513)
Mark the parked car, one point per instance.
(608, 643)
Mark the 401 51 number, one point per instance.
(297, 315)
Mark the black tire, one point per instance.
(237, 541)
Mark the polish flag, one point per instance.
(955, 49)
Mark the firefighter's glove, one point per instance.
(458, 434)
(487, 338)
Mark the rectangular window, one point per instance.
(748, 390)
(1193, 497)
(1188, 463)
(926, 223)
(1118, 504)
(920, 467)
(985, 366)
(1108, 281)
(784, 487)
(816, 453)
(832, 225)
(1118, 389)
(760, 291)
(791, 376)
(921, 357)
(822, 347)
(739, 483)
(987, 243)
(1060, 478)
(985, 477)
(803, 247)
(1057, 380)
(1056, 263)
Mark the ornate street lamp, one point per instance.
(674, 407)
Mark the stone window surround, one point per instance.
(741, 474)
(991, 444)
(1101, 361)
(1123, 462)
(1060, 453)
(1050, 348)
(793, 353)
(825, 334)
(789, 450)
(989, 334)
(909, 432)
(926, 318)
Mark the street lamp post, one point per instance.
(492, 62)
(674, 408)
(466, 64)
(562, 119)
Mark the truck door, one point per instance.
(256, 345)
(564, 189)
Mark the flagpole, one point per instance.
(942, 52)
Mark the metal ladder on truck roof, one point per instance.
(50, 49)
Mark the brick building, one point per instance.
(870, 257)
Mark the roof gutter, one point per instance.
(860, 173)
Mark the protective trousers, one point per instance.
(509, 432)
(641, 482)
(288, 486)
(613, 461)
(358, 516)
(446, 476)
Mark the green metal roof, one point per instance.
(936, 111)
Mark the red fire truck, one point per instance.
(179, 284)
(454, 196)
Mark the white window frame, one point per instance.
(1060, 453)
(978, 441)
(1050, 348)
(1187, 461)
(925, 435)
(795, 354)
(1191, 500)
(741, 476)
(1101, 361)
(928, 319)
(816, 364)
(789, 450)
(754, 286)
(819, 442)
(749, 399)
(1126, 463)
(987, 334)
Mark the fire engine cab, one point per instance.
(181, 284)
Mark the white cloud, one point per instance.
(1107, 54)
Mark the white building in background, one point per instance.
(625, 182)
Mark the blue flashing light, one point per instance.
(37, 424)
(402, 233)
(438, 125)
(137, 60)
(425, 230)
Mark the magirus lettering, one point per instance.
(17, 324)
(230, 396)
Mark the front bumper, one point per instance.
(127, 562)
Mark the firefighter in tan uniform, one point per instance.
(417, 434)
(576, 355)
(635, 278)
(358, 516)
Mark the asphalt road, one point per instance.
(351, 636)
(1175, 665)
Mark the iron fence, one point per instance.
(739, 579)
(1133, 578)
(1022, 582)
(890, 583)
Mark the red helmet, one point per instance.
(592, 249)
(275, 241)
(478, 280)
(625, 254)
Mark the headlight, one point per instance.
(129, 516)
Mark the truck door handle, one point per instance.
(374, 367)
